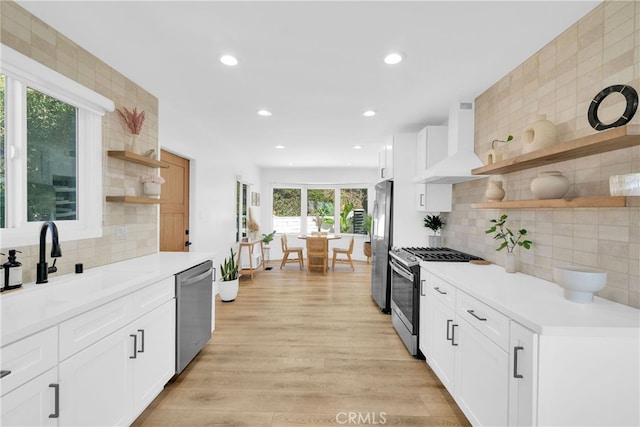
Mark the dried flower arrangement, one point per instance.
(252, 224)
(133, 119)
(151, 178)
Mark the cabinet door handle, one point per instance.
(135, 346)
(382, 173)
(56, 401)
(422, 288)
(4, 373)
(142, 340)
(439, 291)
(515, 362)
(421, 199)
(453, 343)
(448, 326)
(482, 319)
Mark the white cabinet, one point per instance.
(433, 197)
(431, 147)
(385, 161)
(95, 384)
(113, 380)
(522, 376)
(33, 403)
(463, 353)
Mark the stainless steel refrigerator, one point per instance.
(381, 240)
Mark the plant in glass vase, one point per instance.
(509, 240)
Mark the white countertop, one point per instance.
(536, 303)
(37, 307)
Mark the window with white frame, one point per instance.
(50, 152)
(338, 209)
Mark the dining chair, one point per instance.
(341, 251)
(318, 253)
(288, 250)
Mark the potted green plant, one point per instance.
(268, 238)
(229, 278)
(509, 240)
(435, 224)
(367, 245)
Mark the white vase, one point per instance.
(228, 290)
(495, 192)
(510, 262)
(435, 241)
(550, 185)
(135, 145)
(151, 188)
(539, 134)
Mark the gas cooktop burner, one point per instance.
(440, 254)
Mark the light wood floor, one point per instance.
(299, 348)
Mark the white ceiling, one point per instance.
(316, 65)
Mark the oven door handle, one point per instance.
(401, 271)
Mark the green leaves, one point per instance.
(433, 222)
(229, 268)
(508, 238)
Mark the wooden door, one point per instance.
(174, 206)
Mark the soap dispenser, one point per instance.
(12, 272)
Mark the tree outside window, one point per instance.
(321, 210)
(287, 210)
(353, 210)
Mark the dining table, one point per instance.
(328, 236)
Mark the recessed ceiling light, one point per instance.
(357, 147)
(369, 113)
(393, 58)
(280, 147)
(264, 113)
(229, 60)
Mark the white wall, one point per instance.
(328, 176)
(215, 167)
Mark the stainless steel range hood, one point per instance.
(461, 157)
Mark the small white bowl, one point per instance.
(579, 283)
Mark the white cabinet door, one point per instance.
(433, 197)
(431, 147)
(424, 335)
(442, 348)
(481, 383)
(155, 356)
(95, 383)
(523, 376)
(385, 161)
(32, 403)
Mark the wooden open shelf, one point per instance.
(131, 199)
(132, 157)
(578, 202)
(601, 142)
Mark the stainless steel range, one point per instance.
(405, 287)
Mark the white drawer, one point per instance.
(90, 327)
(442, 291)
(153, 296)
(28, 358)
(491, 323)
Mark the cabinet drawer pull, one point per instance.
(439, 291)
(56, 402)
(135, 346)
(515, 362)
(142, 340)
(448, 325)
(482, 319)
(4, 373)
(453, 343)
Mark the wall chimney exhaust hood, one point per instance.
(461, 158)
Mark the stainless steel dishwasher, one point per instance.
(194, 297)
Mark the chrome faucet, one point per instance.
(42, 270)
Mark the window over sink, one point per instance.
(50, 152)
